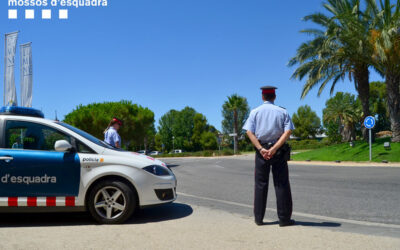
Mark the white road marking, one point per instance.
(313, 216)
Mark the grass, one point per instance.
(360, 152)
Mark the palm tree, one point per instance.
(340, 49)
(344, 109)
(385, 37)
(236, 104)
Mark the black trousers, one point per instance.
(280, 174)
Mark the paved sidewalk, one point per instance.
(202, 228)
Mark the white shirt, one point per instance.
(112, 137)
(268, 122)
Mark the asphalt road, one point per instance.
(354, 199)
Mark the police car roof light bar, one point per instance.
(23, 111)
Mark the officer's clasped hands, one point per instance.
(271, 152)
(264, 153)
(268, 153)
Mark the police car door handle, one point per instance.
(6, 158)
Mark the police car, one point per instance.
(48, 165)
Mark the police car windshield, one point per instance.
(88, 136)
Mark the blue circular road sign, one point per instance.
(369, 122)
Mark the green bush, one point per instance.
(209, 140)
(307, 144)
(208, 153)
(249, 147)
(227, 151)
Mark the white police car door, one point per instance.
(29, 165)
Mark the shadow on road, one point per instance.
(172, 211)
(317, 224)
(172, 165)
(307, 224)
(167, 212)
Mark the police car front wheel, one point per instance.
(111, 202)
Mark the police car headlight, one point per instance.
(157, 170)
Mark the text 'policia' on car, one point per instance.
(48, 166)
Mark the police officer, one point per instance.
(111, 135)
(268, 127)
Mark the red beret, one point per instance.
(268, 89)
(117, 121)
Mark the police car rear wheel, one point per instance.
(111, 202)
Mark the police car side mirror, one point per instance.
(62, 146)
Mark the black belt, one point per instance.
(267, 145)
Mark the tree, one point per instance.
(342, 48)
(307, 123)
(158, 142)
(235, 112)
(148, 140)
(378, 105)
(344, 112)
(332, 130)
(94, 118)
(199, 127)
(183, 129)
(165, 128)
(385, 37)
(208, 140)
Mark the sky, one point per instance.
(166, 54)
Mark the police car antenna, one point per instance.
(56, 119)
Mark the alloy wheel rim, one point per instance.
(110, 202)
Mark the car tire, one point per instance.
(111, 202)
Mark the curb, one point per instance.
(345, 164)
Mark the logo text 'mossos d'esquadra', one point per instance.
(57, 3)
(45, 179)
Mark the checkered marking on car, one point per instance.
(59, 201)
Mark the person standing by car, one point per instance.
(269, 127)
(111, 135)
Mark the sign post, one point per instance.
(220, 136)
(234, 142)
(369, 123)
